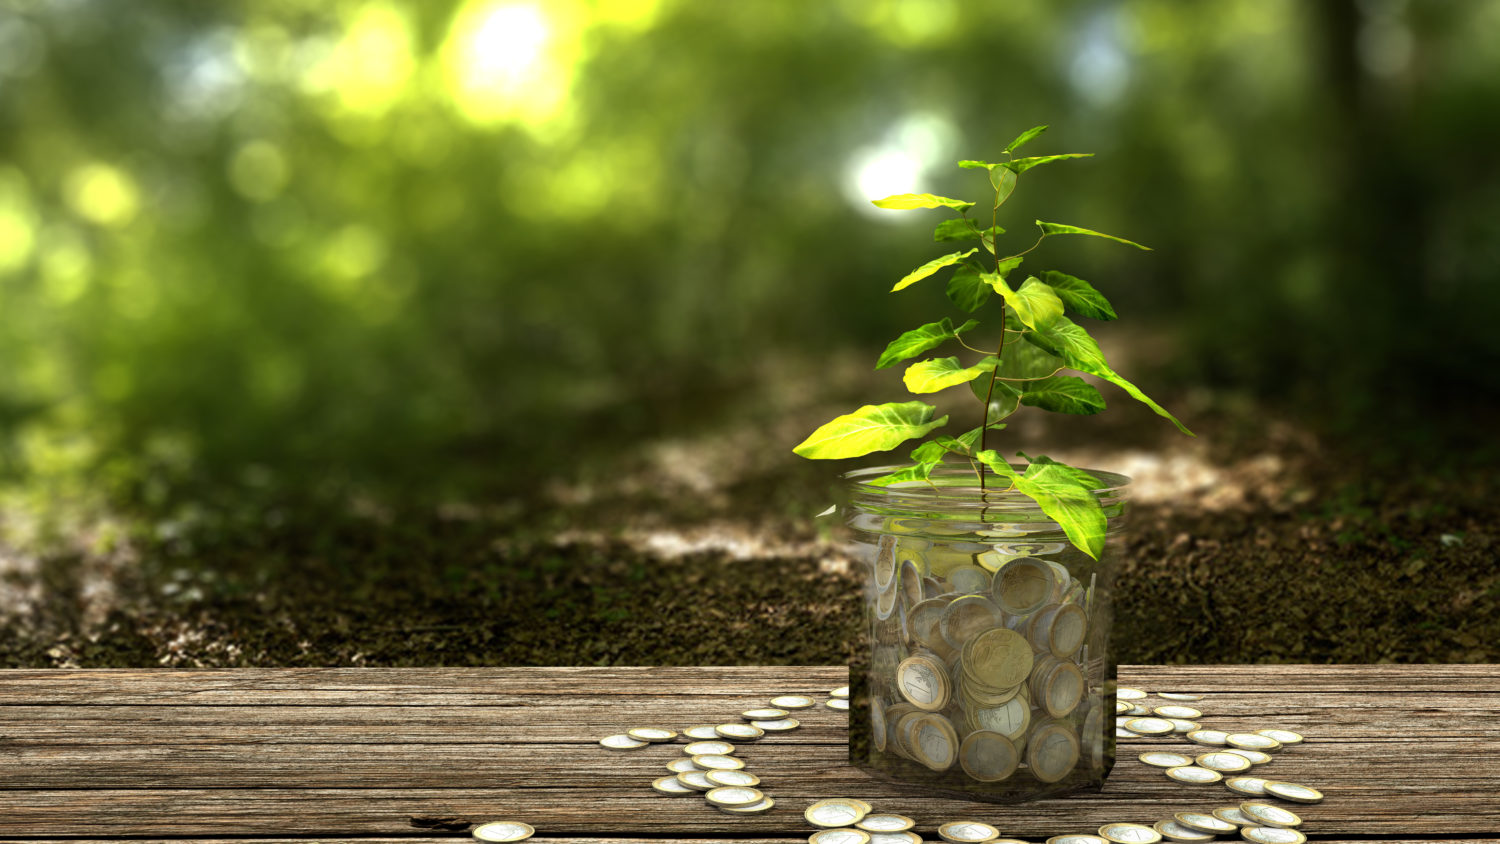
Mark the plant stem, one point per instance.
(984, 412)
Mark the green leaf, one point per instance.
(919, 340)
(1080, 352)
(971, 164)
(1021, 165)
(909, 201)
(1081, 476)
(1004, 181)
(1079, 296)
(1004, 399)
(1007, 264)
(1067, 500)
(1063, 394)
(931, 267)
(1035, 303)
(929, 376)
(1135, 392)
(967, 289)
(992, 459)
(914, 472)
(1024, 137)
(1059, 228)
(964, 229)
(870, 428)
(1027, 362)
(968, 439)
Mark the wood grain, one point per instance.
(1401, 751)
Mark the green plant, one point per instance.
(1037, 342)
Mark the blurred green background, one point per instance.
(447, 251)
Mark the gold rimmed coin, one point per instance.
(670, 785)
(967, 832)
(700, 733)
(702, 748)
(1251, 786)
(1149, 726)
(1293, 792)
(1129, 833)
(1180, 725)
(886, 822)
(1283, 736)
(764, 805)
(1200, 822)
(988, 756)
(1127, 693)
(1255, 756)
(836, 812)
(622, 742)
(1121, 707)
(1166, 760)
(839, 703)
(905, 836)
(967, 616)
(1223, 761)
(1252, 741)
(780, 725)
(1272, 835)
(923, 682)
(1077, 839)
(734, 795)
(1174, 831)
(732, 777)
(500, 831)
(1194, 774)
(742, 732)
(1232, 814)
(1178, 696)
(1052, 750)
(999, 658)
(764, 714)
(1212, 738)
(793, 702)
(651, 734)
(677, 766)
(839, 836)
(1023, 585)
(934, 742)
(1266, 814)
(1186, 713)
(718, 762)
(696, 780)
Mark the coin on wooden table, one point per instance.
(1194, 774)
(1253, 741)
(902, 837)
(1178, 696)
(1213, 738)
(1166, 760)
(1023, 585)
(703, 748)
(503, 831)
(651, 734)
(764, 805)
(1137, 711)
(1052, 750)
(780, 725)
(860, 803)
(1267, 815)
(732, 777)
(965, 832)
(743, 732)
(677, 766)
(671, 785)
(998, 657)
(696, 780)
(1174, 831)
(622, 742)
(1272, 835)
(700, 733)
(967, 616)
(836, 811)
(1129, 833)
(839, 836)
(886, 822)
(837, 703)
(1255, 756)
(764, 714)
(1127, 693)
(988, 756)
(1121, 732)
(923, 682)
(841, 691)
(1077, 839)
(793, 702)
(1233, 815)
(1293, 792)
(1174, 711)
(1205, 823)
(1223, 761)
(1121, 707)
(1253, 786)
(734, 795)
(1182, 726)
(718, 762)
(1149, 726)
(1283, 736)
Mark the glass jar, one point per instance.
(989, 674)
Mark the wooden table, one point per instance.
(1402, 752)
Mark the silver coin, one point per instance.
(886, 823)
(763, 714)
(1223, 762)
(1293, 792)
(670, 785)
(1129, 833)
(1213, 738)
(1254, 786)
(964, 832)
(792, 702)
(1172, 711)
(1283, 736)
(1077, 839)
(1253, 741)
(743, 732)
(734, 795)
(1121, 707)
(1178, 696)
(734, 777)
(1181, 726)
(1205, 823)
(839, 836)
(764, 805)
(1272, 835)
(835, 812)
(1194, 774)
(677, 766)
(1149, 726)
(1267, 815)
(651, 734)
(1121, 732)
(1166, 760)
(696, 780)
(988, 756)
(1175, 831)
(1233, 815)
(718, 762)
(1255, 756)
(703, 748)
(622, 742)
(1137, 711)
(968, 580)
(700, 733)
(837, 703)
(1127, 693)
(902, 837)
(841, 691)
(780, 725)
(503, 831)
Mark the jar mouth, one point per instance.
(956, 483)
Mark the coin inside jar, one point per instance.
(1023, 585)
(966, 616)
(934, 742)
(998, 657)
(923, 682)
(1052, 751)
(968, 579)
(988, 756)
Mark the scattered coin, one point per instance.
(732, 777)
(1205, 823)
(841, 691)
(1137, 711)
(1127, 693)
(1129, 833)
(1180, 725)
(837, 703)
(718, 762)
(839, 836)
(1253, 741)
(622, 742)
(743, 732)
(1121, 732)
(1272, 835)
(678, 766)
(886, 823)
(780, 725)
(1255, 756)
(1121, 707)
(1177, 832)
(836, 812)
(1149, 726)
(1223, 762)
(763, 714)
(1233, 815)
(1253, 786)
(651, 734)
(1178, 696)
(1267, 815)
(1185, 712)
(1293, 792)
(703, 748)
(988, 756)
(862, 804)
(503, 831)
(902, 837)
(670, 785)
(700, 733)
(1166, 760)
(1077, 839)
(1283, 736)
(734, 795)
(1193, 773)
(764, 805)
(964, 832)
(1214, 738)
(696, 780)
(793, 702)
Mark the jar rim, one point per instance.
(946, 483)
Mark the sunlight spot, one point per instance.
(17, 220)
(102, 194)
(367, 70)
(1100, 70)
(66, 264)
(258, 171)
(355, 252)
(509, 61)
(900, 164)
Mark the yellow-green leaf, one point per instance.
(870, 428)
(919, 340)
(967, 289)
(1035, 303)
(1024, 137)
(1021, 165)
(1078, 295)
(909, 201)
(1062, 394)
(935, 374)
(931, 267)
(1059, 228)
(1067, 500)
